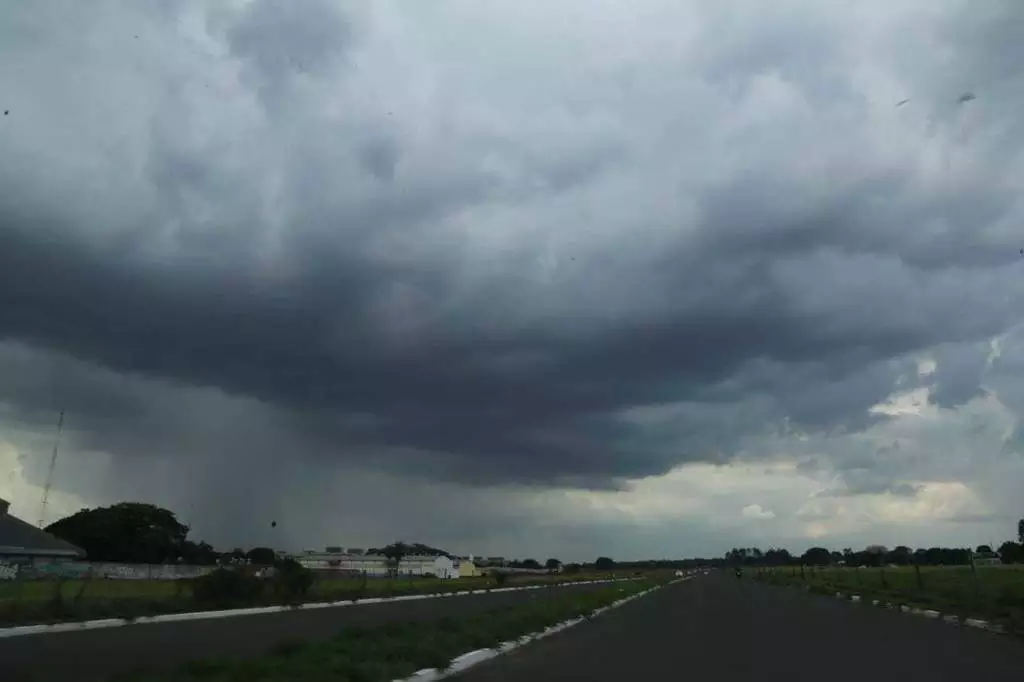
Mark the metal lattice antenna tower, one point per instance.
(53, 465)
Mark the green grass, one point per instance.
(397, 650)
(42, 601)
(992, 592)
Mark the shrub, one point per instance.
(292, 580)
(500, 578)
(226, 587)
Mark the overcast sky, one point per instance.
(517, 277)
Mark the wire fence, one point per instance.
(990, 592)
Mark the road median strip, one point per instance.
(469, 659)
(104, 623)
(416, 652)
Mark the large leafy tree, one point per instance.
(199, 554)
(397, 551)
(1011, 552)
(817, 556)
(131, 532)
(261, 556)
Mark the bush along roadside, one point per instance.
(1001, 613)
(398, 650)
(289, 583)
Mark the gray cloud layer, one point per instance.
(500, 254)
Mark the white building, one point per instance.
(378, 565)
(445, 568)
(340, 560)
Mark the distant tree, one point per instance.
(1011, 552)
(409, 549)
(395, 552)
(1020, 531)
(901, 555)
(198, 554)
(261, 556)
(875, 555)
(530, 563)
(604, 564)
(983, 549)
(130, 532)
(572, 569)
(817, 556)
(552, 564)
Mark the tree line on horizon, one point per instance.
(137, 532)
(142, 533)
(1010, 552)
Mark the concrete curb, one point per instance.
(471, 658)
(24, 630)
(949, 618)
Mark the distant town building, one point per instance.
(377, 565)
(987, 559)
(467, 568)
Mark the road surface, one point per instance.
(90, 655)
(718, 629)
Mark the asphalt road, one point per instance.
(90, 655)
(719, 629)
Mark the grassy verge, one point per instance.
(995, 594)
(25, 603)
(398, 650)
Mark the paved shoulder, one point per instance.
(718, 628)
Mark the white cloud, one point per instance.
(754, 511)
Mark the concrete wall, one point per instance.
(111, 571)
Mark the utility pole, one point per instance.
(49, 474)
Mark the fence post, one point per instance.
(881, 572)
(803, 576)
(917, 573)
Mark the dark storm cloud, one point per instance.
(371, 282)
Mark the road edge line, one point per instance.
(950, 618)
